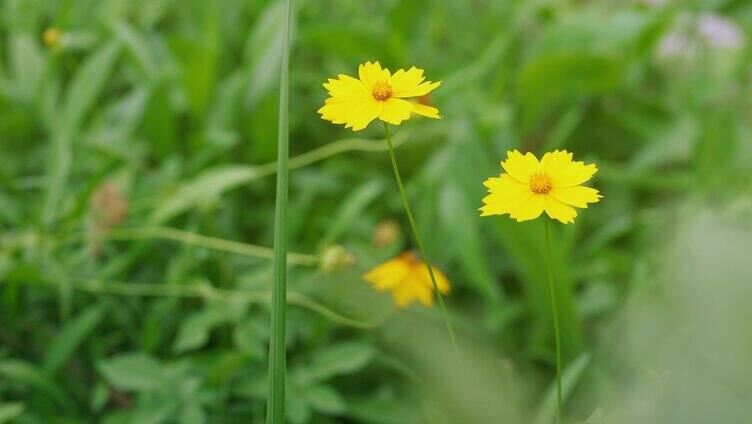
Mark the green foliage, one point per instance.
(137, 201)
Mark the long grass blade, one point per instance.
(275, 411)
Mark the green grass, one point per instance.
(275, 409)
(138, 160)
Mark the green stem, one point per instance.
(214, 243)
(275, 410)
(554, 309)
(418, 240)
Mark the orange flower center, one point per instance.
(540, 183)
(382, 91)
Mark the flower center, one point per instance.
(540, 183)
(381, 91)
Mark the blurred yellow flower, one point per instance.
(51, 36)
(377, 94)
(406, 276)
(529, 187)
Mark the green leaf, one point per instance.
(137, 45)
(70, 337)
(569, 379)
(88, 84)
(32, 377)
(325, 399)
(198, 55)
(9, 411)
(552, 79)
(343, 358)
(132, 372)
(194, 331)
(262, 52)
(351, 208)
(383, 411)
(206, 188)
(159, 121)
(454, 207)
(28, 65)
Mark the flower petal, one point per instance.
(577, 196)
(346, 88)
(356, 114)
(410, 83)
(395, 111)
(388, 276)
(427, 111)
(425, 278)
(520, 167)
(369, 73)
(529, 209)
(574, 173)
(362, 116)
(554, 162)
(559, 211)
(506, 195)
(405, 80)
(404, 295)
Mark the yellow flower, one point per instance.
(529, 187)
(406, 276)
(377, 94)
(51, 36)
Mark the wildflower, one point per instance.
(529, 187)
(386, 233)
(336, 258)
(110, 205)
(406, 276)
(377, 94)
(51, 37)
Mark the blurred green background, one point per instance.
(137, 193)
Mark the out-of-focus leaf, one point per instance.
(194, 331)
(547, 81)
(10, 410)
(297, 410)
(87, 85)
(251, 337)
(198, 58)
(262, 52)
(155, 411)
(132, 371)
(26, 374)
(28, 65)
(352, 207)
(383, 411)
(325, 399)
(454, 207)
(192, 414)
(137, 46)
(83, 92)
(343, 358)
(204, 189)
(523, 244)
(70, 337)
(159, 122)
(569, 379)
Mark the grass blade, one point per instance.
(275, 411)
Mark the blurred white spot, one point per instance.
(718, 31)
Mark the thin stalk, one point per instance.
(418, 239)
(554, 310)
(213, 243)
(275, 408)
